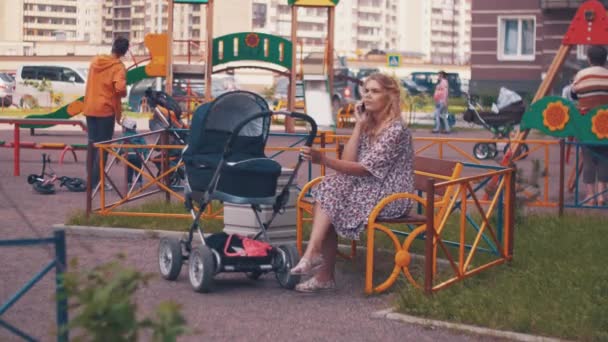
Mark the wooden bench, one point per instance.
(426, 169)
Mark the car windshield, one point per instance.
(6, 78)
(83, 71)
(408, 82)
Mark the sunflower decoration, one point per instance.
(556, 116)
(599, 124)
(252, 40)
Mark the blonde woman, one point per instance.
(377, 162)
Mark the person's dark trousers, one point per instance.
(135, 160)
(98, 129)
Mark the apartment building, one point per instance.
(361, 25)
(38, 20)
(90, 21)
(136, 18)
(514, 43)
(439, 29)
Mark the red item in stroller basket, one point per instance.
(251, 248)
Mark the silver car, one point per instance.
(7, 88)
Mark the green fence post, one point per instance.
(62, 300)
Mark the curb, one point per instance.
(391, 314)
(93, 231)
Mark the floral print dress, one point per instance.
(349, 200)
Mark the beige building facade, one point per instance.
(440, 30)
(42, 27)
(361, 25)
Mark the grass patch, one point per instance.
(557, 284)
(152, 223)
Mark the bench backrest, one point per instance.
(437, 169)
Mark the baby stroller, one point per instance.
(225, 161)
(500, 124)
(167, 115)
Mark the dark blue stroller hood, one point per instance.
(247, 172)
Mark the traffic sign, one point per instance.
(393, 60)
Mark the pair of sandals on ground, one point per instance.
(309, 267)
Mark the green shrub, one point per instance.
(106, 310)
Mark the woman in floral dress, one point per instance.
(377, 162)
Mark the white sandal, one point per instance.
(307, 266)
(313, 285)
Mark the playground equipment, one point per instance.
(559, 117)
(17, 144)
(44, 183)
(588, 27)
(225, 161)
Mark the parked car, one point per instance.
(65, 80)
(220, 85)
(7, 89)
(412, 88)
(345, 88)
(429, 80)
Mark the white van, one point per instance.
(67, 81)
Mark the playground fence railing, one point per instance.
(59, 264)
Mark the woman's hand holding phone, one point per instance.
(360, 113)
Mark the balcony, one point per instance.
(564, 4)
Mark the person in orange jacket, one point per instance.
(106, 85)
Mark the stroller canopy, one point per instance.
(214, 122)
(247, 172)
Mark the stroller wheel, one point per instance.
(483, 151)
(45, 189)
(169, 258)
(493, 150)
(201, 269)
(289, 257)
(523, 149)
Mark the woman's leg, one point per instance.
(329, 250)
(437, 115)
(321, 225)
(444, 118)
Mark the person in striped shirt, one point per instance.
(590, 88)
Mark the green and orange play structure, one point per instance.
(558, 117)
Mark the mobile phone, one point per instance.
(361, 108)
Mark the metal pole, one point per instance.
(430, 236)
(289, 122)
(89, 185)
(331, 11)
(62, 299)
(209, 52)
(169, 76)
(562, 171)
(159, 29)
(16, 151)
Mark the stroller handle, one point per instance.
(302, 116)
(309, 140)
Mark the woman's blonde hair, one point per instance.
(392, 108)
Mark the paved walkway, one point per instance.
(238, 310)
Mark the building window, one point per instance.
(516, 38)
(259, 15)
